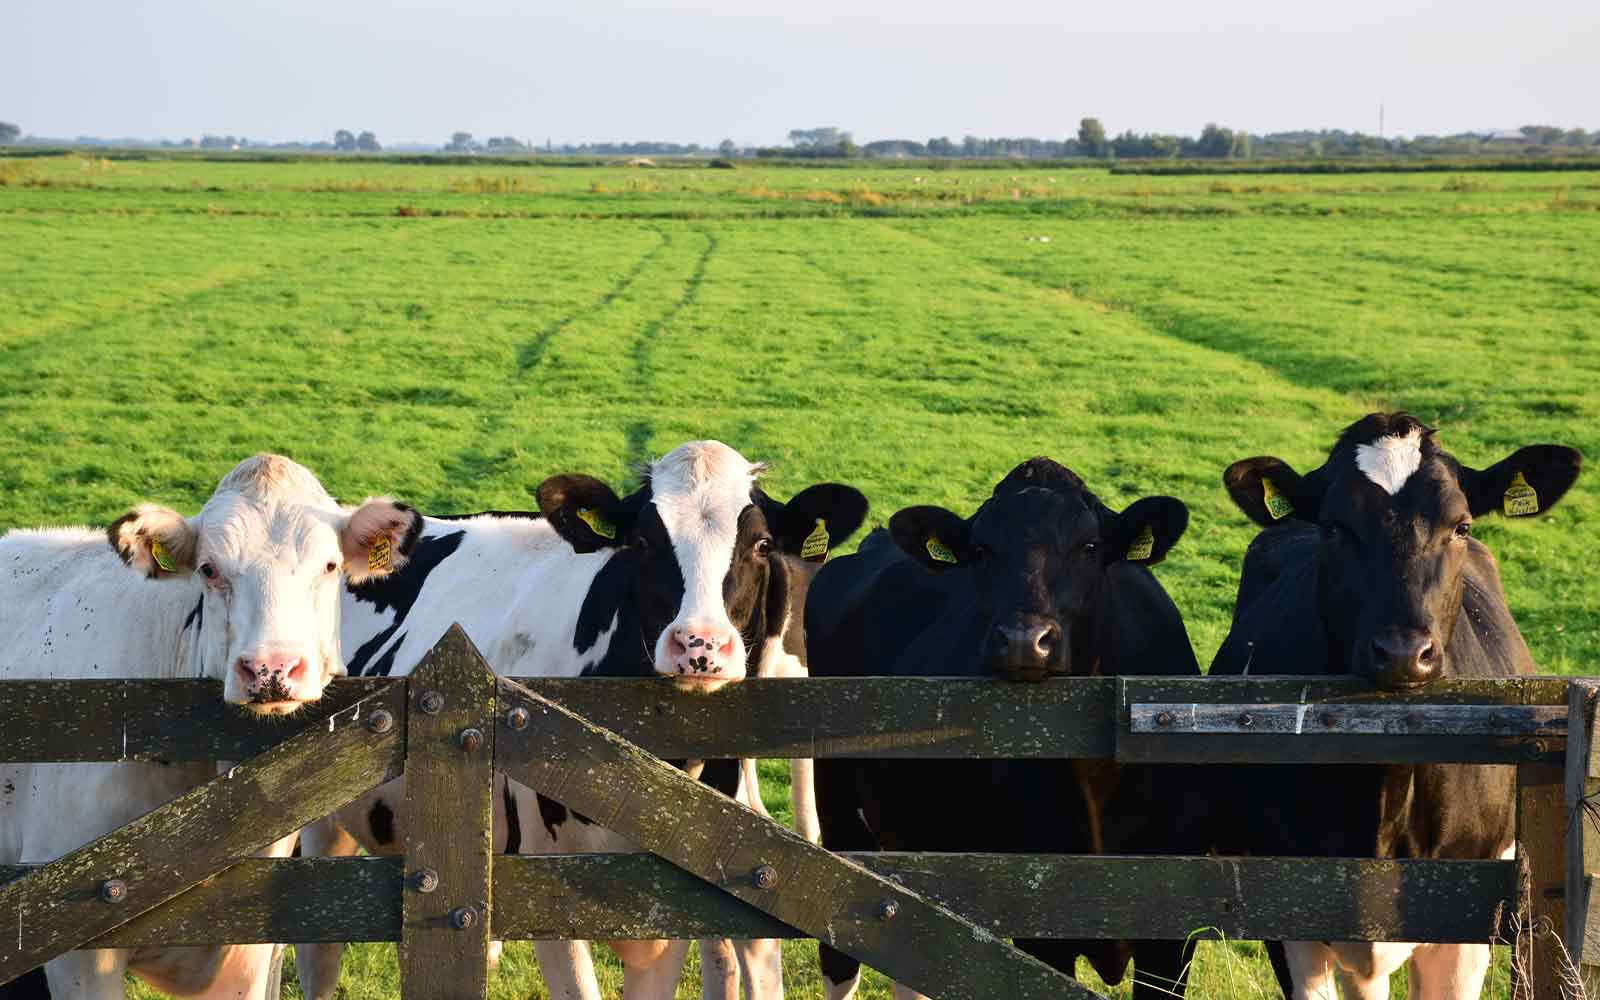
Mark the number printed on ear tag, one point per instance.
(378, 556)
(939, 551)
(1520, 499)
(1143, 544)
(815, 547)
(1278, 505)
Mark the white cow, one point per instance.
(691, 577)
(246, 592)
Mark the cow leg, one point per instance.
(803, 793)
(761, 968)
(650, 969)
(719, 970)
(567, 969)
(318, 962)
(907, 993)
(88, 975)
(1448, 971)
(1310, 970)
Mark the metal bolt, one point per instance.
(432, 702)
(113, 890)
(517, 718)
(766, 876)
(425, 881)
(381, 721)
(470, 740)
(888, 909)
(1164, 719)
(1245, 720)
(463, 917)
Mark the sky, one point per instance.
(751, 70)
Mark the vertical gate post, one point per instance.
(1541, 840)
(444, 938)
(1583, 832)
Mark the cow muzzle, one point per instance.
(1401, 659)
(701, 655)
(1027, 649)
(275, 681)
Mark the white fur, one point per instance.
(69, 608)
(1391, 460)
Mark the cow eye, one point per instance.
(1090, 548)
(763, 547)
(331, 567)
(1463, 529)
(1330, 531)
(208, 571)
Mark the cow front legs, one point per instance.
(568, 970)
(1448, 971)
(650, 969)
(88, 975)
(719, 970)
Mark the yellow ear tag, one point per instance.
(939, 552)
(596, 523)
(1278, 505)
(815, 547)
(378, 555)
(1143, 544)
(1520, 498)
(163, 558)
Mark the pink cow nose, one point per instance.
(699, 651)
(273, 676)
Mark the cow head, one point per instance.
(1036, 552)
(268, 553)
(1395, 513)
(706, 546)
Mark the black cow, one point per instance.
(1367, 566)
(1043, 580)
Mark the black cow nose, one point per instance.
(1405, 658)
(1025, 644)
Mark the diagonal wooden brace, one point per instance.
(444, 936)
(903, 934)
(74, 899)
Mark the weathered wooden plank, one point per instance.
(1541, 839)
(1222, 708)
(618, 896)
(854, 717)
(164, 852)
(1582, 823)
(169, 720)
(1309, 718)
(444, 943)
(849, 717)
(915, 941)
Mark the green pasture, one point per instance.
(451, 335)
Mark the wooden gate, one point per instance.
(181, 875)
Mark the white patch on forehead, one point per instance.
(1390, 460)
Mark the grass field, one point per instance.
(453, 334)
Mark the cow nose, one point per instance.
(1028, 646)
(701, 651)
(272, 676)
(1405, 659)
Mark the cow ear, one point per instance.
(378, 538)
(1268, 490)
(1531, 481)
(584, 511)
(156, 541)
(1144, 532)
(818, 519)
(933, 537)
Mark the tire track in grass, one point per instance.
(531, 353)
(639, 432)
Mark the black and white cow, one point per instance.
(245, 592)
(1043, 580)
(690, 577)
(1367, 566)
